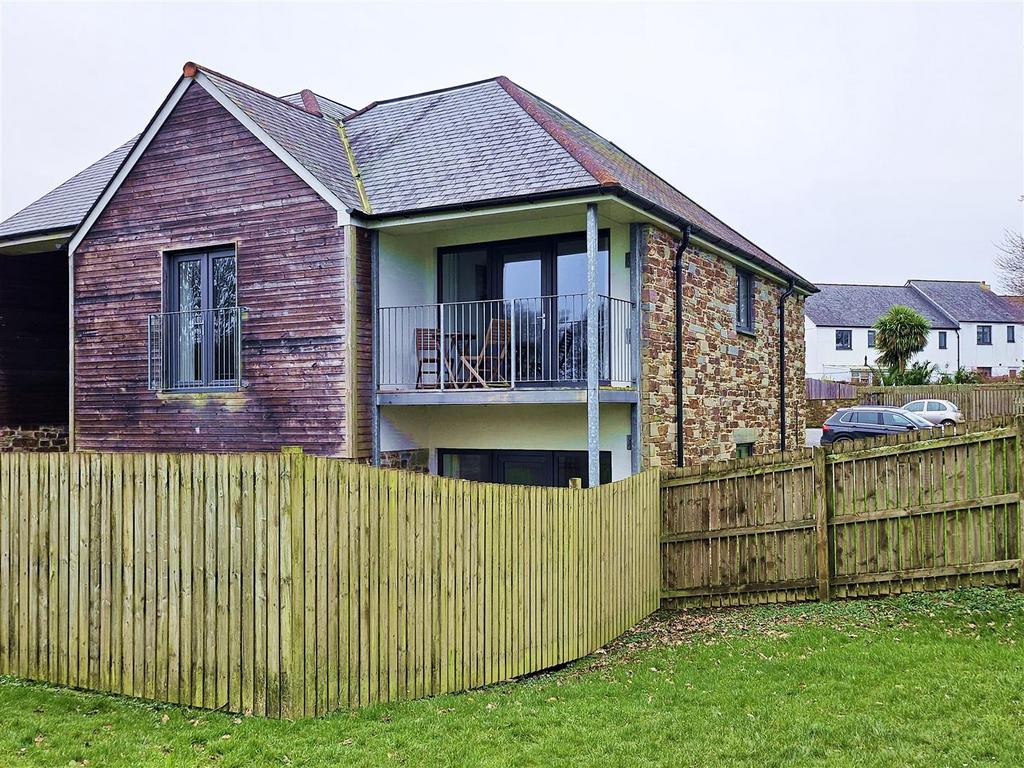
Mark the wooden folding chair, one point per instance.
(428, 357)
(486, 368)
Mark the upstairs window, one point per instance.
(744, 301)
(844, 339)
(198, 335)
(1010, 334)
(942, 339)
(984, 335)
(871, 339)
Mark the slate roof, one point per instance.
(945, 303)
(473, 144)
(455, 147)
(331, 108)
(968, 301)
(313, 141)
(860, 306)
(66, 206)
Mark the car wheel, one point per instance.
(842, 440)
(949, 423)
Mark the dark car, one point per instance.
(869, 421)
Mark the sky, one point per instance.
(856, 142)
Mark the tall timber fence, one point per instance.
(288, 585)
(976, 401)
(890, 516)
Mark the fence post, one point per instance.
(821, 519)
(1020, 498)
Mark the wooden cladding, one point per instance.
(205, 181)
(287, 585)
(869, 520)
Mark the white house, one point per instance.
(972, 327)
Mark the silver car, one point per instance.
(936, 411)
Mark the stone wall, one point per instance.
(33, 438)
(819, 410)
(731, 378)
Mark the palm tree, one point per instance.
(901, 334)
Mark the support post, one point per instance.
(375, 327)
(821, 523)
(636, 245)
(1020, 497)
(593, 354)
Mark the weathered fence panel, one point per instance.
(823, 389)
(874, 518)
(288, 585)
(976, 401)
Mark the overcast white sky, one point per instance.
(857, 142)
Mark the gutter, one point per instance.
(680, 282)
(782, 363)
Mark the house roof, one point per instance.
(66, 206)
(970, 301)
(476, 144)
(860, 306)
(944, 303)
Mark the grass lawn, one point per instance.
(924, 680)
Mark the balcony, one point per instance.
(195, 350)
(473, 351)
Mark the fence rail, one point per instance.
(873, 518)
(288, 585)
(976, 401)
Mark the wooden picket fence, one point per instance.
(882, 517)
(976, 401)
(287, 585)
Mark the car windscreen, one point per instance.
(917, 420)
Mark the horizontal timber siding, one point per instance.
(206, 180)
(288, 585)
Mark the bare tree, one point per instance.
(1010, 262)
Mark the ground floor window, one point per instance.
(548, 468)
(744, 449)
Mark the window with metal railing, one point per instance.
(196, 344)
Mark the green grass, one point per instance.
(922, 680)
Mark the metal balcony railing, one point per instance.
(538, 341)
(195, 349)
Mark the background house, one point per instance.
(466, 281)
(972, 327)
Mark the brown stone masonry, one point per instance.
(731, 378)
(206, 180)
(33, 438)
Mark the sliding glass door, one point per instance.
(539, 286)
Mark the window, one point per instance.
(1010, 334)
(893, 419)
(984, 335)
(915, 407)
(867, 417)
(942, 339)
(200, 330)
(844, 339)
(544, 468)
(744, 449)
(985, 373)
(871, 339)
(744, 301)
(935, 405)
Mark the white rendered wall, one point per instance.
(552, 427)
(1000, 356)
(824, 360)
